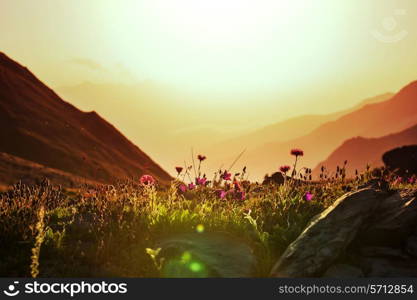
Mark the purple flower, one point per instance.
(201, 157)
(179, 170)
(297, 152)
(183, 188)
(240, 195)
(221, 194)
(201, 181)
(191, 186)
(284, 169)
(308, 196)
(147, 180)
(226, 176)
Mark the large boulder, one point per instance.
(328, 235)
(402, 160)
(369, 233)
(392, 221)
(275, 178)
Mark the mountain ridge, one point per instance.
(360, 151)
(43, 128)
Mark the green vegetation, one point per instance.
(117, 230)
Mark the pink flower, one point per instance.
(201, 157)
(297, 152)
(221, 194)
(179, 170)
(284, 169)
(308, 196)
(226, 176)
(191, 186)
(411, 180)
(183, 188)
(240, 195)
(201, 181)
(147, 180)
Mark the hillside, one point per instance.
(360, 151)
(292, 128)
(372, 120)
(38, 126)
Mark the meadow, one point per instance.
(124, 230)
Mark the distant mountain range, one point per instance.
(361, 151)
(289, 129)
(42, 135)
(378, 119)
(40, 129)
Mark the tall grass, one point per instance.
(116, 230)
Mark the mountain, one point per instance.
(372, 120)
(360, 151)
(14, 169)
(38, 126)
(292, 128)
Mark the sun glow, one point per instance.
(217, 45)
(220, 21)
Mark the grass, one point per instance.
(117, 230)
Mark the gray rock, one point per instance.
(384, 252)
(411, 246)
(392, 222)
(380, 267)
(327, 235)
(343, 271)
(402, 160)
(276, 178)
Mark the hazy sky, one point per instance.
(238, 64)
(222, 47)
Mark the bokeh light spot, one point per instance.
(196, 267)
(200, 228)
(186, 257)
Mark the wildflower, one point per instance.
(297, 152)
(237, 186)
(240, 195)
(411, 180)
(221, 194)
(308, 196)
(201, 157)
(179, 170)
(226, 176)
(147, 180)
(284, 169)
(183, 188)
(191, 186)
(201, 181)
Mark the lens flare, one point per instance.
(200, 228)
(196, 267)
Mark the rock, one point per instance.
(343, 271)
(213, 255)
(384, 252)
(276, 178)
(411, 246)
(382, 267)
(327, 235)
(402, 160)
(392, 222)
